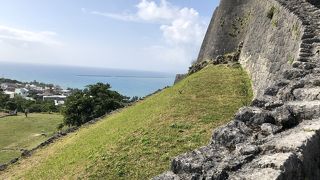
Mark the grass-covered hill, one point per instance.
(139, 141)
(19, 132)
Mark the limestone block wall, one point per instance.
(271, 44)
(226, 30)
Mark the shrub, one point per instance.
(11, 106)
(35, 108)
(271, 12)
(290, 59)
(60, 126)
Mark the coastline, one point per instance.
(127, 82)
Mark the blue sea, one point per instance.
(127, 82)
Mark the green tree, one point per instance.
(105, 99)
(3, 99)
(49, 106)
(11, 105)
(94, 101)
(22, 103)
(34, 108)
(78, 109)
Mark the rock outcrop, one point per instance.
(278, 136)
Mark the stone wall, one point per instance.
(226, 30)
(271, 43)
(278, 136)
(179, 77)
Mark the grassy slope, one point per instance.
(139, 141)
(18, 132)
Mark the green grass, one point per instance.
(18, 132)
(140, 141)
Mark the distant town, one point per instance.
(35, 91)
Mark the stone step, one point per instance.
(313, 9)
(304, 59)
(296, 139)
(294, 73)
(305, 46)
(306, 50)
(308, 30)
(308, 35)
(305, 109)
(311, 40)
(308, 94)
(305, 54)
(289, 155)
(305, 23)
(304, 65)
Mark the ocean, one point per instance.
(127, 82)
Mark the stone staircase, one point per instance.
(310, 18)
(278, 137)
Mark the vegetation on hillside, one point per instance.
(139, 141)
(92, 102)
(18, 132)
(3, 99)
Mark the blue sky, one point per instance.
(157, 35)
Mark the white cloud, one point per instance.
(182, 31)
(19, 45)
(122, 17)
(151, 11)
(186, 28)
(24, 38)
(178, 25)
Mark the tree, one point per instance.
(35, 108)
(105, 99)
(3, 99)
(11, 106)
(49, 106)
(21, 103)
(93, 102)
(78, 109)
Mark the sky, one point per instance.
(153, 35)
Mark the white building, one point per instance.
(8, 86)
(11, 94)
(58, 99)
(23, 92)
(4, 86)
(66, 92)
(33, 87)
(29, 99)
(58, 102)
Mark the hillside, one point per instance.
(18, 132)
(139, 141)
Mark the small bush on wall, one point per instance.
(271, 12)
